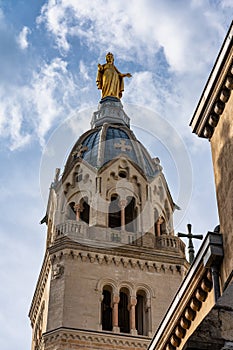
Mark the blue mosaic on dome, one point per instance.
(114, 133)
(117, 142)
(92, 143)
(113, 148)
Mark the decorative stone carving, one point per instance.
(58, 271)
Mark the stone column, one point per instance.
(115, 302)
(77, 209)
(149, 323)
(133, 302)
(101, 298)
(158, 226)
(139, 225)
(122, 204)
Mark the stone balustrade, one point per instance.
(80, 231)
(170, 242)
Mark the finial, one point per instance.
(190, 236)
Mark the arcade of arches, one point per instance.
(122, 214)
(125, 313)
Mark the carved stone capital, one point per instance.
(115, 299)
(132, 301)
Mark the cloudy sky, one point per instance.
(49, 54)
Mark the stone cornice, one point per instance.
(190, 297)
(216, 92)
(126, 253)
(85, 256)
(101, 338)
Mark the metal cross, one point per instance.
(79, 151)
(190, 236)
(123, 146)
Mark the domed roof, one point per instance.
(100, 145)
(109, 138)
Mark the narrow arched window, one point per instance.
(78, 175)
(123, 312)
(71, 211)
(114, 213)
(106, 309)
(85, 212)
(131, 215)
(156, 228)
(163, 228)
(141, 315)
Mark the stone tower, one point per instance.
(112, 262)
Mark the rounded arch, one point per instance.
(128, 192)
(70, 211)
(147, 289)
(127, 285)
(78, 195)
(106, 307)
(143, 309)
(107, 282)
(123, 309)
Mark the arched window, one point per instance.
(106, 309)
(85, 212)
(156, 217)
(71, 211)
(131, 215)
(123, 312)
(163, 228)
(114, 213)
(141, 315)
(78, 175)
(160, 226)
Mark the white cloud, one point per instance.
(23, 38)
(226, 3)
(84, 70)
(131, 29)
(33, 109)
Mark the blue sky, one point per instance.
(49, 54)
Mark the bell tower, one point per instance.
(112, 263)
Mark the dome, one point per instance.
(100, 145)
(109, 138)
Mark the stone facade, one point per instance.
(222, 151)
(112, 263)
(212, 326)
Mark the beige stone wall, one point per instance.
(40, 305)
(222, 154)
(75, 296)
(86, 254)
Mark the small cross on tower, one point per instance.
(190, 236)
(123, 146)
(79, 151)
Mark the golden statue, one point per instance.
(109, 79)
